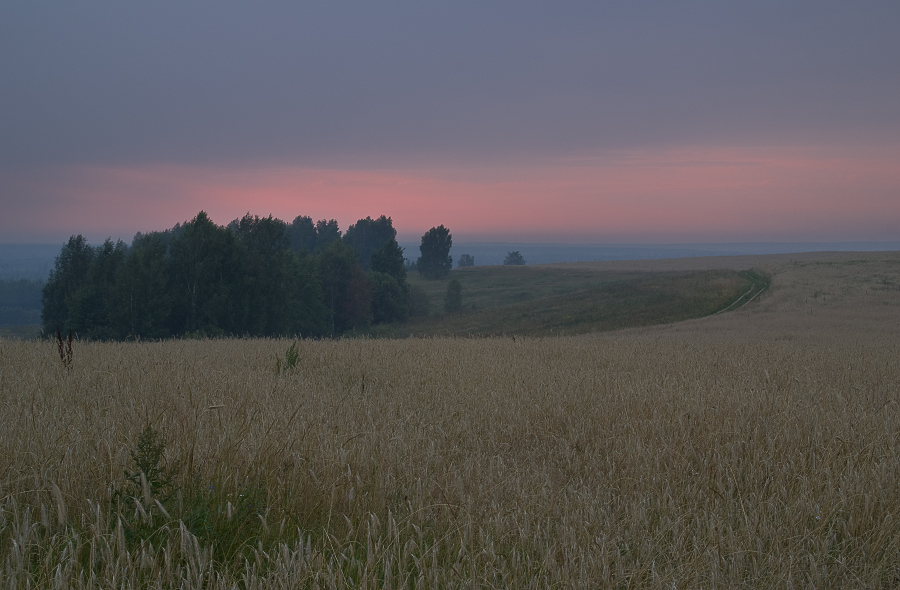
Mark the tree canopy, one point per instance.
(465, 260)
(435, 261)
(256, 276)
(514, 258)
(369, 235)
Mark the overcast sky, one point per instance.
(563, 121)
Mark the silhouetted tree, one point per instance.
(390, 301)
(369, 235)
(326, 232)
(255, 277)
(94, 307)
(261, 299)
(68, 274)
(389, 260)
(435, 261)
(348, 296)
(465, 260)
(514, 258)
(142, 289)
(305, 311)
(302, 234)
(203, 269)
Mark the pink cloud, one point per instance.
(698, 194)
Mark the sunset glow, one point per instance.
(577, 122)
(675, 195)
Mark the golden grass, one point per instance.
(757, 448)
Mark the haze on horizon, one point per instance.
(576, 122)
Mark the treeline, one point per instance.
(257, 276)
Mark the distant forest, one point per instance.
(257, 276)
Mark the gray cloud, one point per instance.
(403, 83)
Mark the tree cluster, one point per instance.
(514, 258)
(257, 276)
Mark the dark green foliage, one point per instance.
(149, 475)
(453, 297)
(390, 299)
(142, 290)
(291, 356)
(326, 233)
(203, 268)
(263, 298)
(348, 295)
(465, 260)
(305, 313)
(257, 277)
(435, 261)
(302, 234)
(514, 259)
(94, 306)
(390, 295)
(68, 274)
(389, 260)
(228, 517)
(370, 235)
(165, 237)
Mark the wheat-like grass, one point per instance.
(692, 456)
(604, 460)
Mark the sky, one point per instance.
(569, 122)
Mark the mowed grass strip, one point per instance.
(538, 301)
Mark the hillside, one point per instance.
(546, 300)
(756, 448)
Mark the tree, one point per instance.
(261, 298)
(453, 298)
(306, 314)
(302, 234)
(348, 294)
(435, 261)
(203, 268)
(369, 235)
(514, 259)
(326, 232)
(142, 288)
(390, 295)
(68, 274)
(94, 307)
(389, 299)
(389, 260)
(465, 260)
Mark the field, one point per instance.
(572, 299)
(754, 448)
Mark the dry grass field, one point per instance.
(756, 448)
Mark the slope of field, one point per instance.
(754, 448)
(571, 299)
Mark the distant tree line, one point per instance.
(257, 276)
